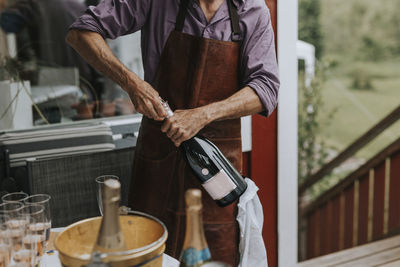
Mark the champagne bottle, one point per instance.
(195, 249)
(110, 236)
(217, 175)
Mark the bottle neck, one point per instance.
(187, 142)
(110, 212)
(110, 235)
(194, 237)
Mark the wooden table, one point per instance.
(53, 236)
(384, 253)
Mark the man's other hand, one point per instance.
(184, 124)
(146, 100)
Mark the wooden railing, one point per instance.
(351, 149)
(363, 207)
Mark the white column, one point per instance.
(12, 44)
(287, 133)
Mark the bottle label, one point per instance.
(219, 186)
(192, 257)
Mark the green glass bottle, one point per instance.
(195, 251)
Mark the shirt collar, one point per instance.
(237, 3)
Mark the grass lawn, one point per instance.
(354, 32)
(357, 110)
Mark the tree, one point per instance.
(309, 24)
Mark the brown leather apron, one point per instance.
(193, 72)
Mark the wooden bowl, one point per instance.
(145, 238)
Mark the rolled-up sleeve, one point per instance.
(113, 18)
(259, 65)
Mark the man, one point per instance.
(213, 61)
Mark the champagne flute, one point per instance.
(14, 197)
(100, 184)
(12, 210)
(5, 242)
(35, 236)
(42, 200)
(24, 254)
(16, 226)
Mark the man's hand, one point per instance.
(184, 124)
(146, 100)
(92, 47)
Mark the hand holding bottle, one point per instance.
(216, 174)
(184, 124)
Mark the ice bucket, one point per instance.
(145, 238)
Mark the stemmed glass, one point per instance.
(15, 224)
(35, 236)
(14, 197)
(24, 254)
(100, 184)
(5, 242)
(42, 200)
(25, 223)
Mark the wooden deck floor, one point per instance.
(383, 253)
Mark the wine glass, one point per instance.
(42, 200)
(5, 242)
(35, 236)
(12, 210)
(99, 189)
(14, 197)
(15, 226)
(23, 252)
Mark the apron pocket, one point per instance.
(151, 180)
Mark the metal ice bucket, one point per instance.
(145, 238)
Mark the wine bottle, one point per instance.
(195, 250)
(110, 236)
(217, 175)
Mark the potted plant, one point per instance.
(84, 109)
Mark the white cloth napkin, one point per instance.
(250, 217)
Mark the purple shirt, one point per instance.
(156, 19)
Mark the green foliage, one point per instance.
(312, 152)
(364, 30)
(362, 37)
(10, 69)
(361, 79)
(309, 24)
(371, 49)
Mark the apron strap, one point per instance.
(180, 18)
(236, 33)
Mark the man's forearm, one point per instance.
(186, 123)
(92, 47)
(242, 103)
(94, 50)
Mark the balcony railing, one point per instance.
(363, 207)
